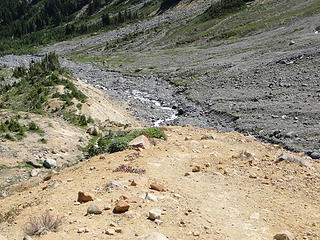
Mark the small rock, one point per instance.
(93, 209)
(121, 206)
(285, 235)
(53, 185)
(207, 137)
(157, 187)
(290, 158)
(196, 169)
(34, 163)
(252, 175)
(82, 230)
(110, 231)
(154, 214)
(140, 142)
(245, 154)
(34, 173)
(153, 236)
(315, 155)
(158, 222)
(82, 198)
(291, 43)
(50, 163)
(151, 197)
(26, 237)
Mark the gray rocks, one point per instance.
(154, 214)
(290, 158)
(285, 235)
(50, 163)
(27, 237)
(93, 209)
(3, 148)
(34, 163)
(315, 155)
(153, 236)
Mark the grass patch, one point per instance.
(118, 141)
(9, 216)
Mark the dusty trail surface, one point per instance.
(233, 196)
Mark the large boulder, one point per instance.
(140, 142)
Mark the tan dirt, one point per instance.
(232, 197)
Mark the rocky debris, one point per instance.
(154, 214)
(290, 158)
(158, 187)
(50, 163)
(153, 236)
(82, 198)
(93, 209)
(34, 163)
(27, 237)
(140, 142)
(285, 235)
(196, 169)
(121, 207)
(129, 169)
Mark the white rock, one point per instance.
(152, 197)
(50, 163)
(154, 214)
(158, 222)
(110, 231)
(153, 236)
(81, 230)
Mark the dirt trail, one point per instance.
(230, 198)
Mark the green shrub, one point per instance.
(8, 136)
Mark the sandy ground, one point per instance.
(232, 197)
